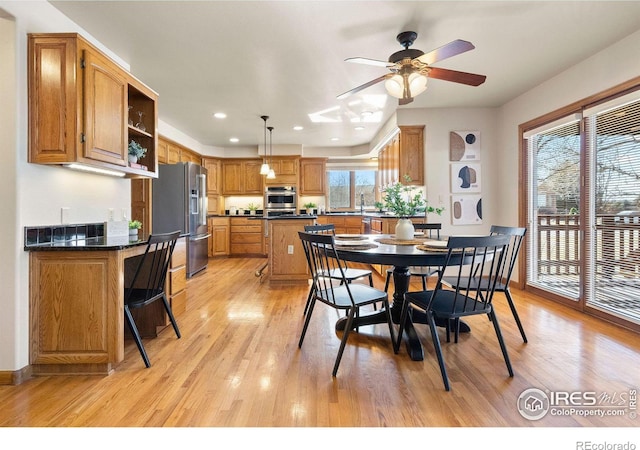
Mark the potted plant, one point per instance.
(379, 206)
(310, 207)
(252, 207)
(136, 151)
(134, 227)
(404, 202)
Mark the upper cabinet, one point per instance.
(286, 170)
(313, 176)
(411, 154)
(84, 108)
(213, 175)
(241, 177)
(404, 155)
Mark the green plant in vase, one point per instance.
(405, 202)
(134, 227)
(136, 151)
(252, 207)
(309, 207)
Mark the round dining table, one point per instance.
(376, 249)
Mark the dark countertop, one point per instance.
(99, 243)
(286, 217)
(90, 244)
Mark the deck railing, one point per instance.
(617, 244)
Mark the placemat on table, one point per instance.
(350, 237)
(428, 248)
(394, 241)
(355, 247)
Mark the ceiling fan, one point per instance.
(410, 69)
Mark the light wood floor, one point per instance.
(238, 365)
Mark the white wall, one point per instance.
(34, 194)
(604, 70)
(438, 123)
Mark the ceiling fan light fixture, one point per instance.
(395, 86)
(416, 84)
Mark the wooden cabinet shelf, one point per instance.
(79, 105)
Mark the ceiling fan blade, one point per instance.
(453, 48)
(363, 86)
(370, 62)
(471, 79)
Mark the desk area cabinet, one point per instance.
(76, 305)
(79, 103)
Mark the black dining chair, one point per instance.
(487, 254)
(337, 293)
(511, 255)
(148, 283)
(422, 272)
(350, 274)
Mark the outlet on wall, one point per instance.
(110, 215)
(290, 249)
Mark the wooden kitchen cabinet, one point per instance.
(219, 240)
(79, 103)
(176, 283)
(246, 236)
(411, 154)
(404, 155)
(241, 177)
(286, 170)
(213, 175)
(343, 224)
(313, 175)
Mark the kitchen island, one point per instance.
(76, 296)
(287, 261)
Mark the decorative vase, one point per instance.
(133, 159)
(252, 212)
(133, 232)
(405, 229)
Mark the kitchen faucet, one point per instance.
(361, 203)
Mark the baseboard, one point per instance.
(16, 377)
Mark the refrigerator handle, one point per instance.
(203, 198)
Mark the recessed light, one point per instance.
(335, 139)
(358, 128)
(234, 139)
(220, 115)
(298, 128)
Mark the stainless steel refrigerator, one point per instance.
(180, 203)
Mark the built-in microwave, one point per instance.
(281, 197)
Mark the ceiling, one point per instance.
(285, 59)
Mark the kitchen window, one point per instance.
(351, 189)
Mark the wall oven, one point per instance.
(279, 198)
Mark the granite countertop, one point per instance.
(90, 244)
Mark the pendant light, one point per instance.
(272, 174)
(264, 168)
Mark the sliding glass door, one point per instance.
(613, 174)
(583, 208)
